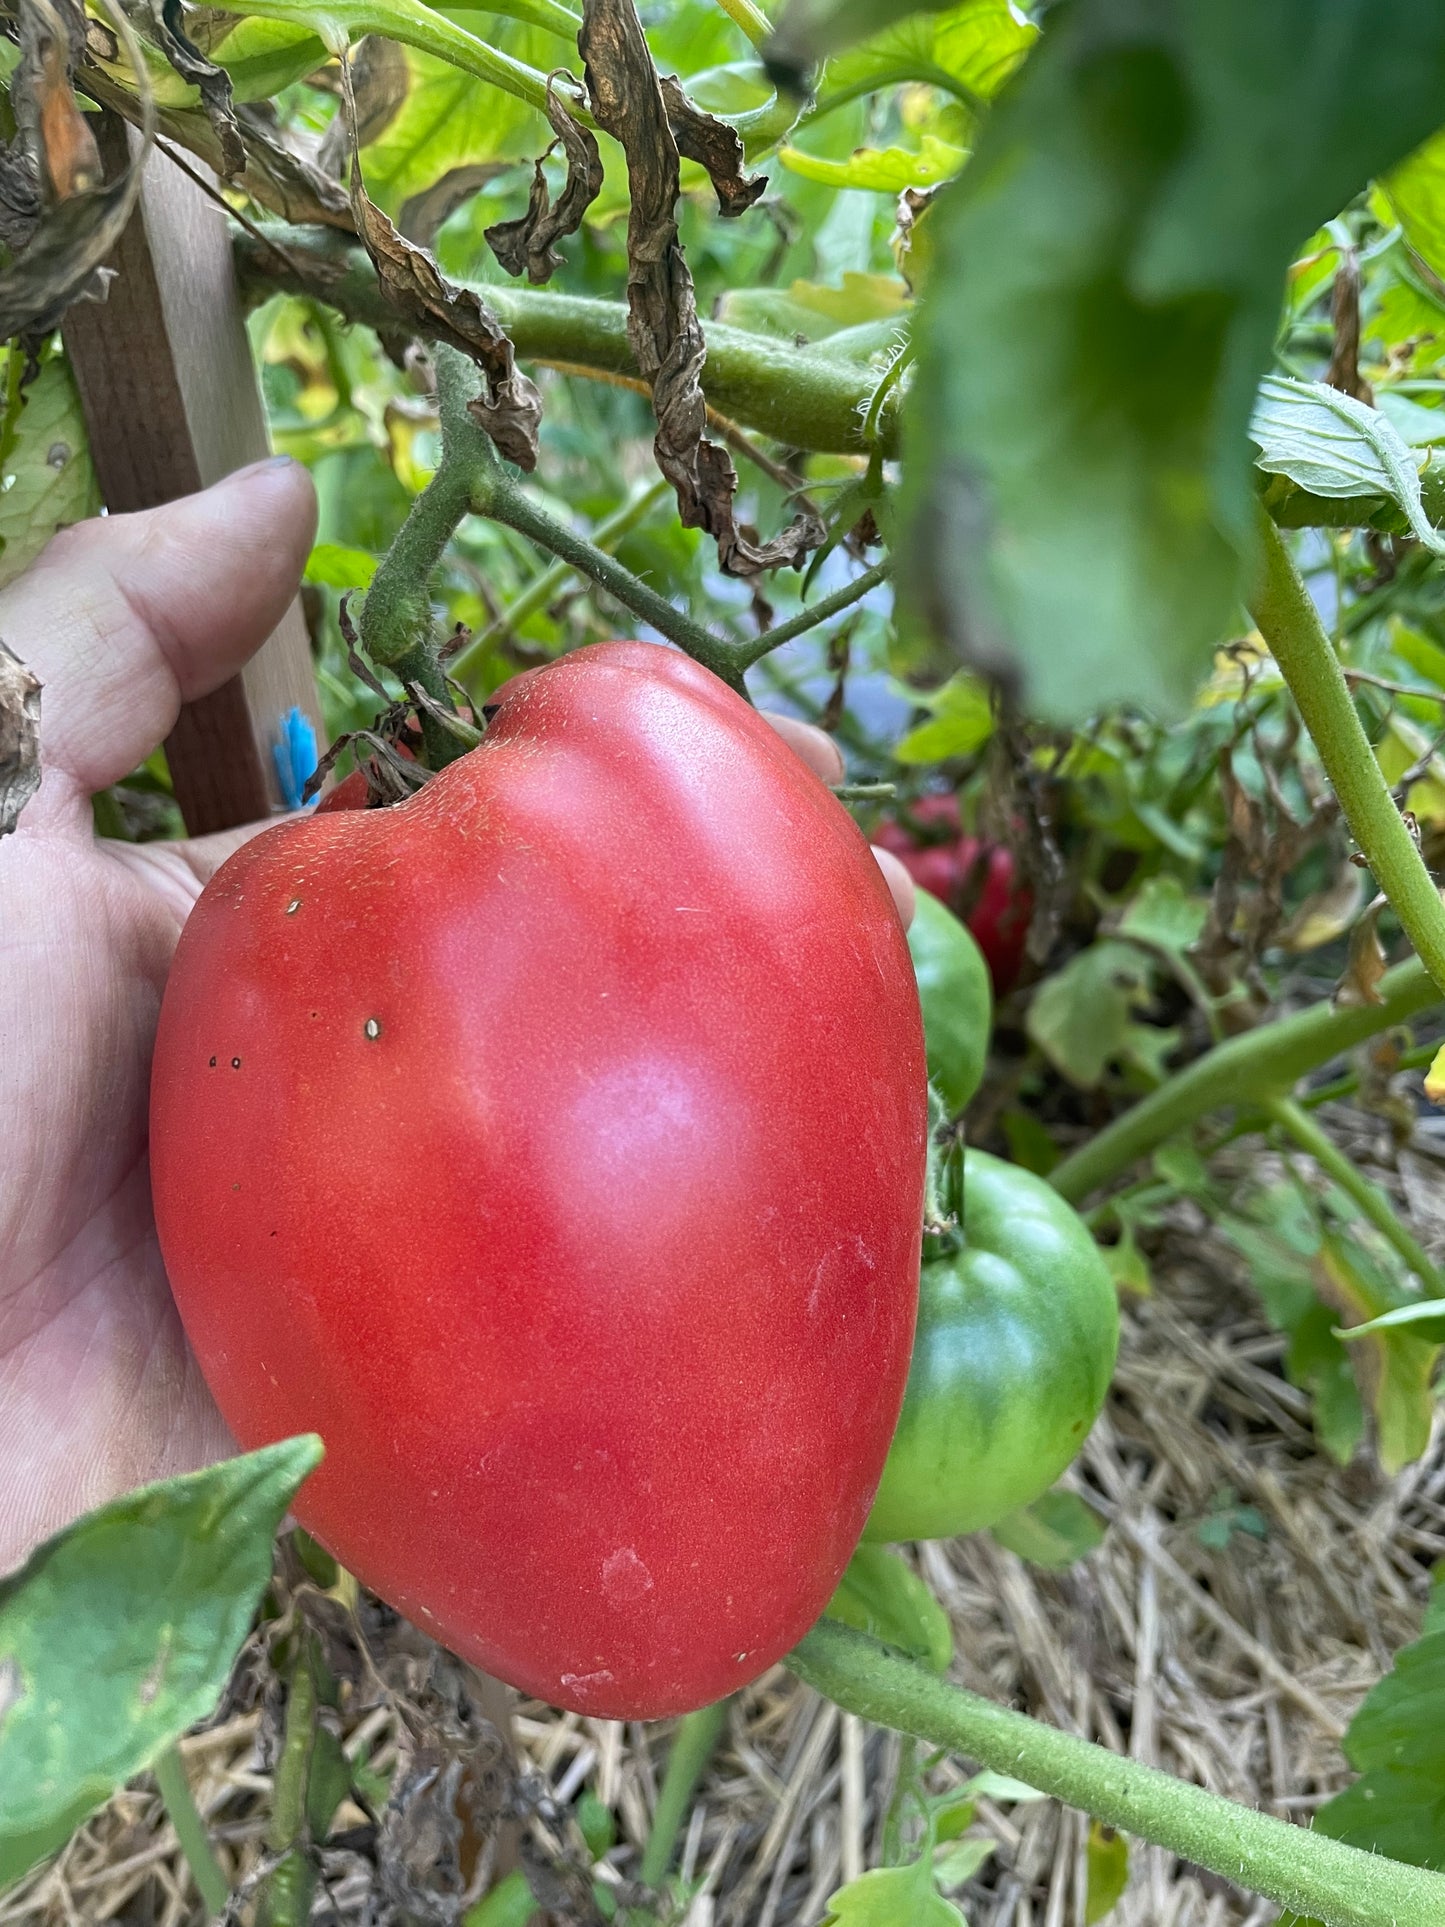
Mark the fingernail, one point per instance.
(268, 465)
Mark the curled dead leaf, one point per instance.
(627, 102)
(511, 410)
(703, 138)
(524, 246)
(19, 738)
(1360, 984)
(211, 82)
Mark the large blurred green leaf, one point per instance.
(46, 478)
(1106, 281)
(1416, 193)
(119, 1633)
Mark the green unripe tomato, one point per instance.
(957, 1000)
(1017, 1333)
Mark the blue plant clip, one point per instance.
(296, 758)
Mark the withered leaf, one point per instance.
(524, 246)
(1360, 984)
(213, 83)
(50, 125)
(19, 738)
(703, 138)
(421, 215)
(511, 410)
(627, 102)
(380, 83)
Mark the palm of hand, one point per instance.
(122, 620)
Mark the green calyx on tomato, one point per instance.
(1018, 1327)
(957, 1000)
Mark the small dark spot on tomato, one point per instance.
(213, 1063)
(235, 1063)
(373, 1028)
(236, 1186)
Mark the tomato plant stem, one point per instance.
(746, 654)
(752, 20)
(1338, 1885)
(1290, 625)
(1263, 1063)
(796, 396)
(693, 1745)
(286, 1897)
(1369, 1199)
(175, 1791)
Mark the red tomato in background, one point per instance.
(976, 879)
(552, 1144)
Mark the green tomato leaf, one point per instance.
(1057, 1530)
(1394, 1369)
(334, 566)
(1164, 916)
(1332, 444)
(961, 722)
(884, 170)
(1416, 194)
(882, 1595)
(1078, 507)
(119, 1633)
(968, 51)
(892, 1897)
(1107, 1862)
(46, 475)
(1081, 1018)
(1396, 1743)
(962, 1861)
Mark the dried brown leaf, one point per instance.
(627, 102)
(51, 126)
(19, 738)
(524, 246)
(420, 216)
(212, 83)
(380, 83)
(511, 410)
(1360, 984)
(703, 138)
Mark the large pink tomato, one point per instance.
(552, 1144)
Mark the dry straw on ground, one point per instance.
(1236, 1667)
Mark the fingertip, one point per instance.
(815, 746)
(899, 882)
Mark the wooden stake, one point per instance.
(172, 404)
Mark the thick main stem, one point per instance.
(693, 1745)
(1339, 1885)
(1265, 1062)
(1290, 625)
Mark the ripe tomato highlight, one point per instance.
(552, 1143)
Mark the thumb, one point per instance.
(127, 617)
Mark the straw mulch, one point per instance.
(1237, 1667)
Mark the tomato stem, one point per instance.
(1290, 625)
(693, 1745)
(286, 1896)
(1318, 1877)
(1245, 1071)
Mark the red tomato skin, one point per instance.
(976, 879)
(552, 1144)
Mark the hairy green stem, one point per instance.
(1290, 625)
(1368, 1198)
(752, 20)
(806, 399)
(175, 1790)
(540, 591)
(1263, 1063)
(746, 654)
(286, 1896)
(1339, 1885)
(693, 1745)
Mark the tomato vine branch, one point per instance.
(1248, 1070)
(693, 1745)
(1339, 1885)
(1290, 625)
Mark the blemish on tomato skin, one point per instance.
(235, 1063)
(213, 1063)
(372, 1028)
(293, 906)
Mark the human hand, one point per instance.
(123, 620)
